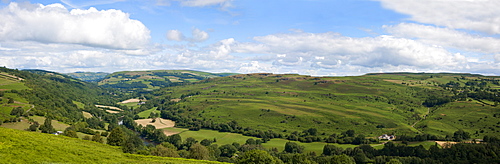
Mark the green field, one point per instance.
(18, 146)
(146, 113)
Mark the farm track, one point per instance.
(425, 116)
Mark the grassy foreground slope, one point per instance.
(18, 146)
(374, 104)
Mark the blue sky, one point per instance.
(313, 37)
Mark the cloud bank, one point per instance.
(112, 29)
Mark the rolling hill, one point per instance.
(88, 76)
(374, 104)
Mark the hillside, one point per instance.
(374, 104)
(51, 94)
(27, 147)
(138, 80)
(88, 76)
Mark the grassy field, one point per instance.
(27, 147)
(146, 113)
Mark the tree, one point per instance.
(460, 135)
(257, 157)
(18, 111)
(97, 138)
(11, 100)
(198, 151)
(332, 150)
(292, 147)
(132, 144)
(227, 150)
(116, 137)
(190, 141)
(163, 151)
(175, 140)
(360, 139)
(206, 142)
(349, 133)
(47, 127)
(342, 159)
(33, 126)
(70, 133)
(87, 137)
(394, 161)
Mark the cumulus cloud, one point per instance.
(479, 15)
(197, 35)
(446, 37)
(112, 29)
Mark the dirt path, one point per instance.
(32, 106)
(425, 116)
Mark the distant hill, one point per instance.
(18, 146)
(89, 76)
(155, 79)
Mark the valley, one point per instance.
(216, 117)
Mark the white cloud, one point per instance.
(112, 29)
(175, 35)
(477, 15)
(197, 35)
(446, 37)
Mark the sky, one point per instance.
(309, 37)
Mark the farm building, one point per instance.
(387, 137)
